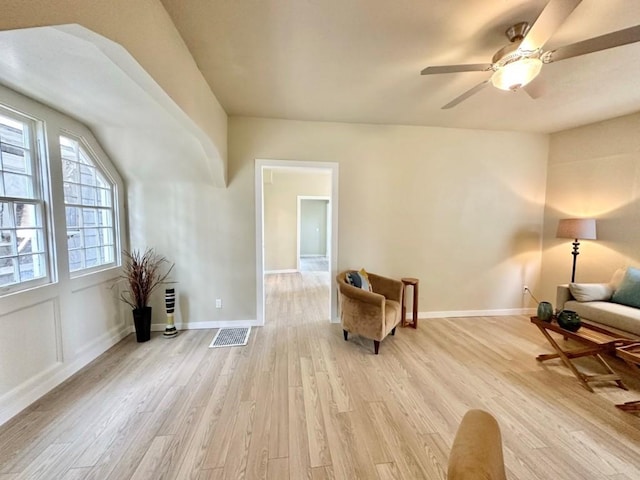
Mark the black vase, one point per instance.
(142, 322)
(569, 320)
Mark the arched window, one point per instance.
(89, 200)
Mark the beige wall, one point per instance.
(281, 191)
(594, 171)
(313, 227)
(460, 209)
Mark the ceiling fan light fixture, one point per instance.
(516, 74)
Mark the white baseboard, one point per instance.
(160, 327)
(286, 270)
(475, 313)
(16, 400)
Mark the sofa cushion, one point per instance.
(629, 291)
(611, 314)
(591, 292)
(616, 279)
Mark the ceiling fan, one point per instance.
(519, 62)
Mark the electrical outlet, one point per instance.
(218, 303)
(525, 289)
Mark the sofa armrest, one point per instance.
(563, 295)
(389, 287)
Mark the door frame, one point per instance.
(260, 165)
(301, 198)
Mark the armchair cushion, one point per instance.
(359, 279)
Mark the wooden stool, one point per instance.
(410, 282)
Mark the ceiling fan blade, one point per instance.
(553, 15)
(535, 89)
(465, 95)
(603, 42)
(474, 67)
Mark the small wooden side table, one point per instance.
(410, 282)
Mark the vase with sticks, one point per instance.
(143, 272)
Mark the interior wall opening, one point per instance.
(296, 234)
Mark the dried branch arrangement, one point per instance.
(143, 272)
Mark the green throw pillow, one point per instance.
(629, 291)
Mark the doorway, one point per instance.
(313, 229)
(278, 245)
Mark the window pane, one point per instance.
(15, 159)
(20, 186)
(6, 215)
(68, 153)
(106, 236)
(103, 197)
(71, 193)
(72, 216)
(31, 266)
(88, 195)
(92, 257)
(13, 132)
(26, 215)
(87, 175)
(108, 254)
(30, 240)
(89, 217)
(83, 157)
(7, 243)
(91, 238)
(70, 171)
(76, 260)
(101, 181)
(8, 271)
(74, 239)
(104, 218)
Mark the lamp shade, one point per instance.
(577, 228)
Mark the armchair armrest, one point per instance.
(358, 294)
(388, 287)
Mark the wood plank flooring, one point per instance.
(298, 402)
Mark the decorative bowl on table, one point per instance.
(569, 320)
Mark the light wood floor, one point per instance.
(299, 402)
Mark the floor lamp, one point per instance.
(578, 229)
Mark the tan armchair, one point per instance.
(371, 314)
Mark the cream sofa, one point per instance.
(593, 302)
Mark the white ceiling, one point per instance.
(359, 61)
